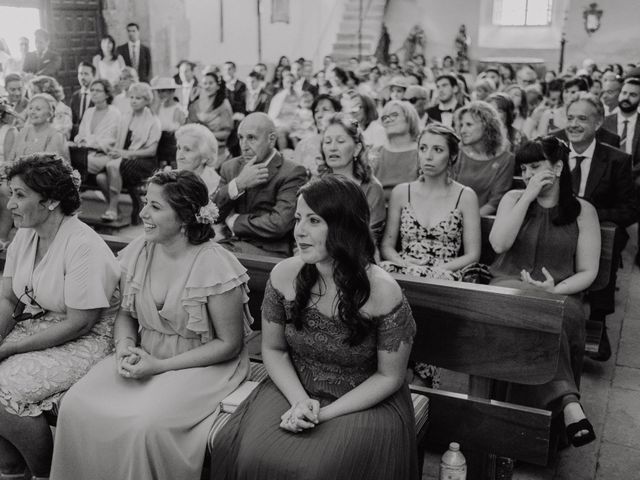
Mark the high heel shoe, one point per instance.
(12, 476)
(573, 428)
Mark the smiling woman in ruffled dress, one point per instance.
(145, 412)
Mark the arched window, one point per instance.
(522, 12)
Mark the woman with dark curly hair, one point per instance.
(336, 337)
(344, 153)
(58, 302)
(485, 163)
(179, 347)
(548, 240)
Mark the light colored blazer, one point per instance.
(144, 134)
(106, 132)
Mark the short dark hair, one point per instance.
(229, 62)
(579, 82)
(186, 193)
(635, 81)
(337, 106)
(257, 75)
(106, 84)
(41, 32)
(52, 177)
(555, 85)
(453, 81)
(133, 24)
(87, 65)
(12, 77)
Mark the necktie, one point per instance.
(623, 136)
(134, 57)
(576, 174)
(83, 104)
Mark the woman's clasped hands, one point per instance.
(134, 362)
(301, 416)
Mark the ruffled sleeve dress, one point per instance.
(111, 427)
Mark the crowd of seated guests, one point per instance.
(345, 173)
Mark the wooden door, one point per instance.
(76, 27)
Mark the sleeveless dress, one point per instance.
(110, 427)
(78, 271)
(374, 444)
(435, 245)
(540, 243)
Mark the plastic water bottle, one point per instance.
(453, 465)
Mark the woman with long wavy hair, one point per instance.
(485, 163)
(336, 337)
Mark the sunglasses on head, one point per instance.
(18, 314)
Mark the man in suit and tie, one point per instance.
(305, 82)
(81, 100)
(187, 81)
(257, 192)
(601, 175)
(43, 61)
(447, 86)
(627, 123)
(135, 54)
(15, 95)
(236, 90)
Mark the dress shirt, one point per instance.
(84, 101)
(446, 113)
(585, 166)
(631, 127)
(185, 93)
(134, 53)
(235, 193)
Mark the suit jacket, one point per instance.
(310, 87)
(266, 212)
(74, 103)
(602, 135)
(435, 115)
(611, 124)
(144, 60)
(48, 64)
(237, 97)
(262, 104)
(610, 186)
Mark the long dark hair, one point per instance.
(114, 54)
(221, 94)
(552, 149)
(342, 204)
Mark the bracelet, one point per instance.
(124, 338)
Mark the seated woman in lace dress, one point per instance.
(344, 153)
(336, 337)
(58, 302)
(549, 240)
(179, 348)
(437, 219)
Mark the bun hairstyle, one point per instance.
(51, 177)
(186, 194)
(452, 138)
(361, 167)
(553, 150)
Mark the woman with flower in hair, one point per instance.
(58, 302)
(179, 347)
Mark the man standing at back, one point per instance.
(448, 88)
(81, 100)
(257, 192)
(43, 61)
(135, 54)
(601, 175)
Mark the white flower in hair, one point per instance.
(76, 178)
(208, 214)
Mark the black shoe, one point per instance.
(576, 427)
(637, 259)
(604, 349)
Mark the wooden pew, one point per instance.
(607, 233)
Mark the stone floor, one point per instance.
(610, 397)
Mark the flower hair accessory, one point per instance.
(76, 178)
(208, 214)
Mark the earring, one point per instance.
(51, 208)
